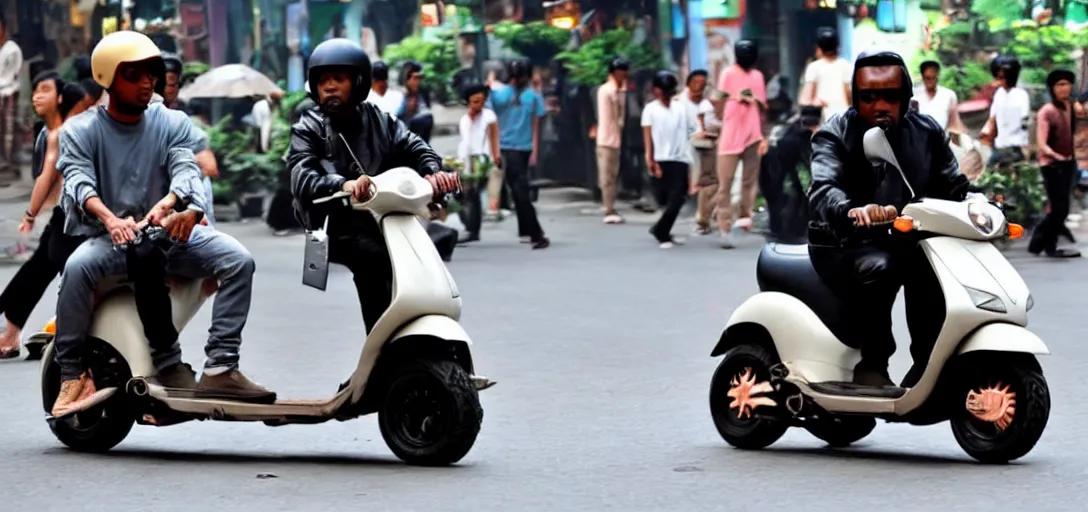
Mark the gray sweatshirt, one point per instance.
(128, 167)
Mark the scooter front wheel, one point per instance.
(431, 414)
(1001, 409)
(739, 390)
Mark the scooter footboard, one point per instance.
(1002, 337)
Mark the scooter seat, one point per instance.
(786, 268)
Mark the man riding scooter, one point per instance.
(132, 161)
(866, 269)
(337, 147)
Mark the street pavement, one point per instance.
(601, 348)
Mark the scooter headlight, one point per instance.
(1030, 304)
(987, 301)
(981, 219)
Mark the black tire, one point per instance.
(983, 440)
(441, 392)
(840, 431)
(750, 433)
(100, 428)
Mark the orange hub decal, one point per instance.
(994, 404)
(743, 392)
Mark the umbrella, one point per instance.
(230, 81)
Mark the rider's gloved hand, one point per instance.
(872, 214)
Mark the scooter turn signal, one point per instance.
(1015, 231)
(903, 224)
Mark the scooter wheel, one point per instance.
(1000, 415)
(99, 428)
(431, 414)
(734, 398)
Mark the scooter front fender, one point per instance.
(433, 326)
(1002, 337)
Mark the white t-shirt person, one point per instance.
(474, 135)
(830, 79)
(670, 129)
(1010, 109)
(703, 108)
(390, 102)
(939, 106)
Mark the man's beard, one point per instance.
(128, 109)
(334, 106)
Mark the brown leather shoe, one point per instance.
(71, 392)
(178, 376)
(232, 385)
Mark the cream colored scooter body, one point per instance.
(425, 304)
(986, 299)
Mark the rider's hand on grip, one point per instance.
(444, 182)
(872, 214)
(360, 189)
(122, 231)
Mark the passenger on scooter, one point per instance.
(133, 161)
(866, 269)
(337, 147)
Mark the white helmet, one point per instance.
(119, 48)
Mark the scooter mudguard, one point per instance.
(1002, 337)
(795, 333)
(436, 326)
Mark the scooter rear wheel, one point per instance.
(431, 414)
(738, 425)
(104, 426)
(1007, 430)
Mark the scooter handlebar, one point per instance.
(902, 224)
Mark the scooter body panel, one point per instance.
(804, 341)
(422, 287)
(117, 322)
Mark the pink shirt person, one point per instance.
(742, 123)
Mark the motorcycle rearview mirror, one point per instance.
(878, 150)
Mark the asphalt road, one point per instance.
(601, 348)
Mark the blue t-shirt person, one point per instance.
(516, 117)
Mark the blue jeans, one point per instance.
(208, 254)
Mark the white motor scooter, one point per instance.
(415, 370)
(785, 365)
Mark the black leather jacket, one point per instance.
(843, 178)
(320, 163)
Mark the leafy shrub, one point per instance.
(588, 65)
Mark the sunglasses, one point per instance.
(137, 74)
(872, 95)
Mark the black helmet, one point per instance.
(746, 52)
(380, 71)
(340, 53)
(667, 82)
(619, 64)
(827, 39)
(518, 68)
(1010, 66)
(172, 62)
(995, 65)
